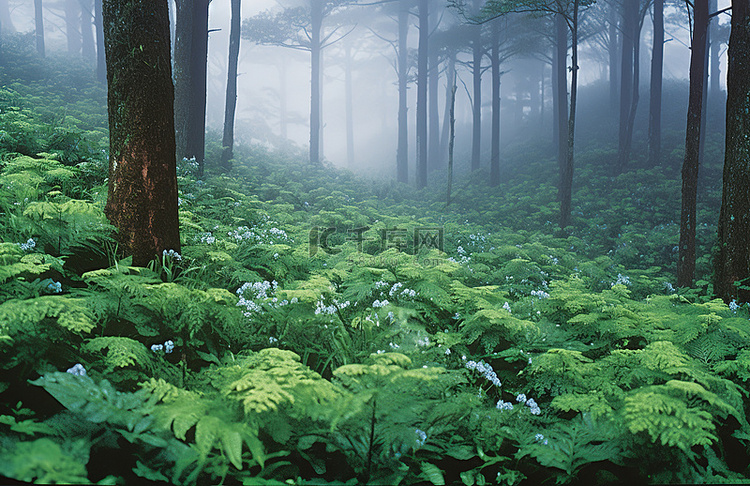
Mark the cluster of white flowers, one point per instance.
(54, 287)
(380, 284)
(485, 369)
(172, 254)
(733, 306)
(530, 402)
(380, 303)
(421, 437)
(669, 287)
(28, 246)
(272, 340)
(322, 308)
(167, 347)
(394, 345)
(506, 306)
(540, 293)
(425, 341)
(260, 235)
(501, 405)
(77, 370)
(554, 259)
(208, 238)
(622, 280)
(540, 438)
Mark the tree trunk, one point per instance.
(634, 98)
(566, 176)
(422, 93)
(657, 64)
(402, 151)
(495, 64)
(614, 48)
(230, 105)
(39, 27)
(716, 94)
(452, 135)
(561, 92)
(349, 105)
(629, 39)
(183, 73)
(72, 24)
(101, 65)
(450, 72)
(733, 258)
(282, 98)
(196, 143)
(433, 151)
(476, 76)
(316, 24)
(88, 45)
(142, 199)
(686, 256)
(6, 22)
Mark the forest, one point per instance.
(387, 242)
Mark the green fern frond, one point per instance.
(68, 313)
(121, 352)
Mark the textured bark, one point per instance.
(349, 105)
(191, 55)
(142, 200)
(402, 151)
(733, 258)
(39, 27)
(424, 7)
(101, 65)
(566, 174)
(654, 106)
(716, 94)
(495, 65)
(686, 255)
(230, 105)
(433, 122)
(452, 131)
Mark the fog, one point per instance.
(273, 105)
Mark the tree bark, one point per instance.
(101, 65)
(424, 7)
(316, 24)
(716, 94)
(733, 258)
(433, 61)
(629, 39)
(657, 64)
(566, 175)
(452, 133)
(142, 200)
(614, 49)
(495, 65)
(39, 27)
(230, 105)
(686, 255)
(402, 151)
(6, 22)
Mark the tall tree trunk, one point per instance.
(657, 64)
(686, 255)
(566, 175)
(72, 24)
(283, 98)
(495, 65)
(476, 76)
(733, 258)
(39, 27)
(716, 94)
(349, 105)
(183, 45)
(230, 105)
(614, 48)
(101, 65)
(316, 24)
(450, 72)
(634, 98)
(196, 143)
(451, 81)
(704, 96)
(629, 39)
(561, 91)
(433, 121)
(88, 45)
(402, 151)
(6, 22)
(142, 199)
(424, 32)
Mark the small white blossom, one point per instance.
(506, 306)
(77, 370)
